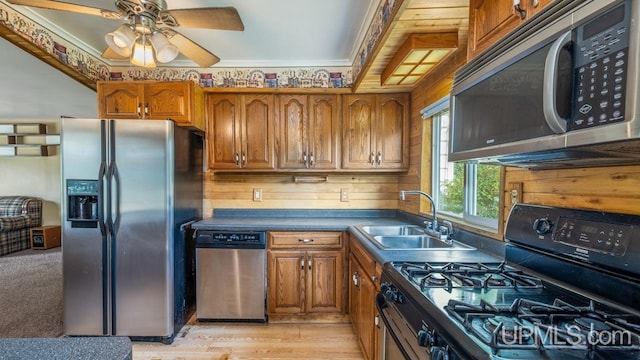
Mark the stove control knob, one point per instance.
(384, 287)
(542, 226)
(425, 338)
(439, 353)
(391, 294)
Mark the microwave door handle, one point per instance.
(557, 124)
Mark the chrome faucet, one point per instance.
(435, 229)
(444, 231)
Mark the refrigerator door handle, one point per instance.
(101, 179)
(113, 186)
(116, 176)
(102, 222)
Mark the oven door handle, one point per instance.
(557, 124)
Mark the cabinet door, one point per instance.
(358, 138)
(324, 282)
(367, 313)
(392, 150)
(257, 131)
(354, 293)
(168, 100)
(489, 20)
(286, 284)
(223, 131)
(323, 131)
(120, 100)
(293, 124)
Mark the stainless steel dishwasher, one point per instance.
(230, 275)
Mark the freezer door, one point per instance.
(84, 250)
(141, 173)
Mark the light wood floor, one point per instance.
(213, 341)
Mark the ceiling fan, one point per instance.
(142, 38)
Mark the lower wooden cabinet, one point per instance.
(363, 287)
(304, 277)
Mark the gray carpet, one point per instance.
(31, 294)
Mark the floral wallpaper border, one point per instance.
(96, 69)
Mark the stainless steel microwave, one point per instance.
(560, 90)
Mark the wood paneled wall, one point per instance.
(432, 88)
(610, 188)
(279, 191)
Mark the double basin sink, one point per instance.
(407, 237)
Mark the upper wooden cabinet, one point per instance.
(240, 131)
(490, 20)
(181, 101)
(308, 131)
(376, 132)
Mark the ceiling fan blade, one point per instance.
(220, 18)
(190, 49)
(59, 5)
(108, 53)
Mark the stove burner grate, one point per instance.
(467, 275)
(527, 324)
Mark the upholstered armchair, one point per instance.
(18, 214)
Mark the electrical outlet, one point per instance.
(257, 194)
(515, 190)
(344, 195)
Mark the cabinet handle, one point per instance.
(301, 263)
(372, 159)
(244, 159)
(139, 110)
(304, 158)
(146, 110)
(306, 241)
(311, 161)
(374, 278)
(376, 320)
(354, 278)
(237, 159)
(310, 262)
(520, 10)
(535, 3)
(379, 158)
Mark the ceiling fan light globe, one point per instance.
(121, 40)
(142, 54)
(165, 51)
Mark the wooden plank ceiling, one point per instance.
(413, 17)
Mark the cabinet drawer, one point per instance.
(304, 240)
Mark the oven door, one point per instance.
(397, 339)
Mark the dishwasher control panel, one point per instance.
(231, 239)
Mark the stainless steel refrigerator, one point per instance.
(130, 190)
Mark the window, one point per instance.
(467, 190)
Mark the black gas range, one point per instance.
(568, 288)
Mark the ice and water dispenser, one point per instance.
(82, 200)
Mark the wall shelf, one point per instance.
(28, 139)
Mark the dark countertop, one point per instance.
(295, 220)
(346, 220)
(72, 348)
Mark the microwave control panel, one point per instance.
(601, 57)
